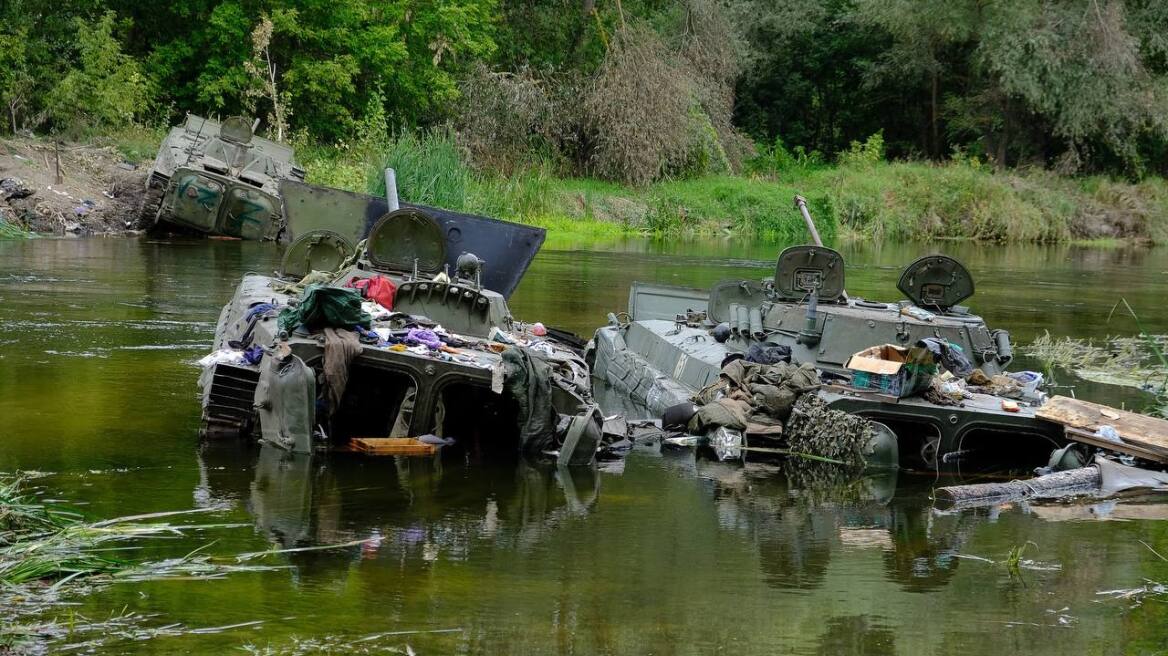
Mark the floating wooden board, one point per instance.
(391, 446)
(1143, 436)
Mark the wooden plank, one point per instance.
(1140, 431)
(391, 446)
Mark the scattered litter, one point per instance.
(1109, 433)
(14, 188)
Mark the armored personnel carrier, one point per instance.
(673, 342)
(304, 362)
(218, 179)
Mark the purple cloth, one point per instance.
(424, 337)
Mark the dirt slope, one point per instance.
(98, 192)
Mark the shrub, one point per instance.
(504, 120)
(866, 154)
(638, 110)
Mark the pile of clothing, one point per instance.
(751, 397)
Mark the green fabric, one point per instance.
(527, 377)
(326, 307)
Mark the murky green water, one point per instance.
(668, 556)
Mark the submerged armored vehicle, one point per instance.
(306, 363)
(673, 342)
(219, 179)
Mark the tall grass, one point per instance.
(429, 169)
(48, 555)
(861, 197)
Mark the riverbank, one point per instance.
(861, 198)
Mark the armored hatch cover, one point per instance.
(401, 238)
(235, 129)
(319, 250)
(936, 281)
(802, 269)
(507, 248)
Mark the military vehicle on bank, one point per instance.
(305, 363)
(218, 179)
(665, 349)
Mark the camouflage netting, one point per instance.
(814, 483)
(816, 429)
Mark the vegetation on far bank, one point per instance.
(862, 196)
(923, 119)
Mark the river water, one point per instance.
(667, 555)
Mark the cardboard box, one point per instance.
(892, 369)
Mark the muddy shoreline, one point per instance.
(71, 189)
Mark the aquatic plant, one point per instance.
(386, 642)
(1150, 341)
(48, 554)
(1130, 361)
(1014, 558)
(10, 231)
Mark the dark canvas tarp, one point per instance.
(507, 248)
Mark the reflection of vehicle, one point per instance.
(663, 351)
(218, 178)
(300, 500)
(802, 513)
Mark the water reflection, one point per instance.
(407, 508)
(856, 635)
(800, 513)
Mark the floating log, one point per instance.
(1073, 481)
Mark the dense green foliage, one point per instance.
(637, 91)
(861, 196)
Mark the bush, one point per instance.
(638, 110)
(505, 119)
(867, 154)
(775, 161)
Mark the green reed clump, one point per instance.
(10, 231)
(48, 554)
(429, 167)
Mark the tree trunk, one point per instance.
(936, 150)
(1003, 139)
(587, 7)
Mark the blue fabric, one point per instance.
(258, 308)
(254, 354)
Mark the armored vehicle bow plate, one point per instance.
(218, 179)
